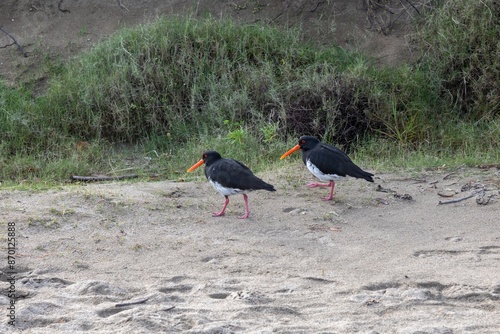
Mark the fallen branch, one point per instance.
(19, 47)
(140, 301)
(461, 199)
(102, 178)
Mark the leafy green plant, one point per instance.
(236, 132)
(270, 132)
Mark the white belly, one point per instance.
(320, 175)
(226, 191)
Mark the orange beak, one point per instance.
(196, 165)
(290, 151)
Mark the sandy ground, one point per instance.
(371, 262)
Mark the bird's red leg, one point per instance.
(329, 198)
(245, 197)
(221, 213)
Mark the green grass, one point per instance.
(149, 100)
(459, 45)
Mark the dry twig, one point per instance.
(461, 199)
(121, 5)
(102, 178)
(140, 301)
(317, 5)
(448, 175)
(19, 47)
(384, 190)
(411, 5)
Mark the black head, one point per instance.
(308, 143)
(209, 157)
(305, 143)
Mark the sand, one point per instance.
(368, 262)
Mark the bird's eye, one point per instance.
(204, 156)
(302, 141)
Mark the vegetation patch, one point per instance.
(459, 44)
(153, 97)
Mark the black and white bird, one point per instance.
(327, 163)
(230, 177)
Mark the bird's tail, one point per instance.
(361, 174)
(269, 187)
(265, 186)
(368, 176)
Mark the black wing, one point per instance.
(331, 160)
(233, 174)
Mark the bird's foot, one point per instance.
(315, 184)
(328, 198)
(245, 216)
(218, 214)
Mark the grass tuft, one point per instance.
(459, 46)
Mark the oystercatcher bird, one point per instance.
(327, 163)
(230, 177)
